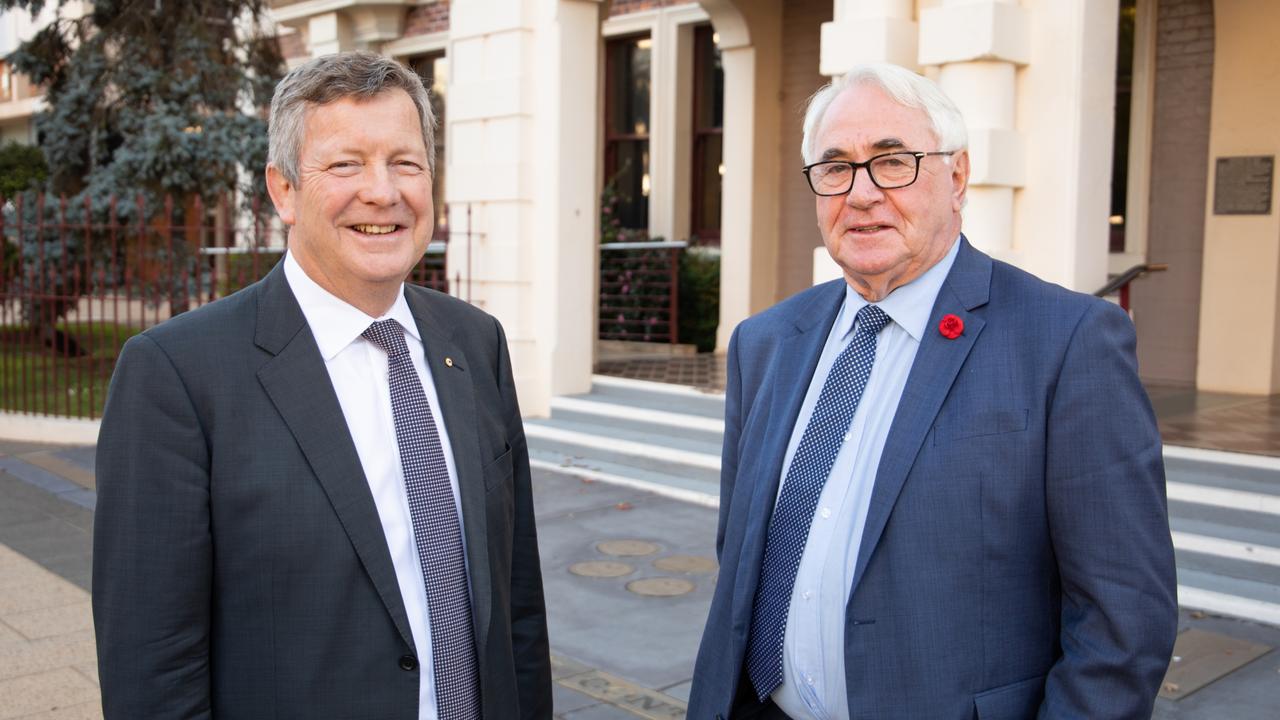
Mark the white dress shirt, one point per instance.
(359, 373)
(813, 672)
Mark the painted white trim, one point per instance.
(654, 387)
(1232, 549)
(1219, 497)
(22, 427)
(627, 412)
(404, 47)
(690, 496)
(1142, 103)
(1222, 457)
(305, 10)
(1257, 610)
(626, 447)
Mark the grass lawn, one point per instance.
(35, 378)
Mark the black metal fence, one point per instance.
(77, 281)
(640, 291)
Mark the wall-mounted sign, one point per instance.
(1243, 185)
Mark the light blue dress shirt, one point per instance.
(813, 681)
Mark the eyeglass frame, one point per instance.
(918, 155)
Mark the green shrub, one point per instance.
(22, 167)
(700, 297)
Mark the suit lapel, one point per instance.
(933, 372)
(790, 370)
(458, 409)
(298, 384)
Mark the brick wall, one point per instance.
(797, 225)
(1166, 305)
(426, 19)
(291, 45)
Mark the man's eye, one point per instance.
(408, 166)
(892, 163)
(344, 167)
(835, 170)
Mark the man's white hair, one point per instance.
(906, 88)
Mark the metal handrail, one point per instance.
(1121, 282)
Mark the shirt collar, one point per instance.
(909, 305)
(334, 322)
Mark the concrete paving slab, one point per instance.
(50, 621)
(60, 464)
(85, 711)
(8, 634)
(651, 640)
(47, 654)
(1251, 692)
(37, 694)
(601, 711)
(565, 700)
(680, 691)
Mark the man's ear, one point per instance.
(959, 179)
(283, 194)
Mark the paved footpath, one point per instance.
(628, 576)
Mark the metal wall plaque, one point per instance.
(1243, 185)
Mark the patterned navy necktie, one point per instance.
(437, 531)
(793, 513)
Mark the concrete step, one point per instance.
(657, 396)
(1229, 596)
(1224, 508)
(590, 410)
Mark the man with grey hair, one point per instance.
(314, 497)
(942, 489)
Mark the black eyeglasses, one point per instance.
(888, 171)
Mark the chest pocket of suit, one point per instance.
(979, 424)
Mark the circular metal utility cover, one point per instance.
(602, 569)
(626, 547)
(686, 564)
(660, 587)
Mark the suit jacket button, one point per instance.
(408, 663)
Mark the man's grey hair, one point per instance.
(906, 88)
(361, 75)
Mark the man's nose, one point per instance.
(864, 192)
(379, 186)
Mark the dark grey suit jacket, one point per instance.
(240, 568)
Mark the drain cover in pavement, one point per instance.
(626, 547)
(601, 569)
(685, 564)
(660, 587)
(1200, 658)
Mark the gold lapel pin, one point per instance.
(448, 362)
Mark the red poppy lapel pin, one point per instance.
(951, 326)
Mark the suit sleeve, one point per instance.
(732, 432)
(152, 549)
(529, 642)
(1109, 525)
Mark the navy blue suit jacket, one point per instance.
(1016, 559)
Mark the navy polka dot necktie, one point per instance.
(437, 530)
(793, 513)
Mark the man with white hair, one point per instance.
(942, 493)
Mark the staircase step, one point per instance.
(657, 396)
(1229, 567)
(1229, 596)
(1244, 542)
(1238, 472)
(585, 410)
(698, 490)
(577, 442)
